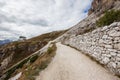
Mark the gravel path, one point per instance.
(70, 64)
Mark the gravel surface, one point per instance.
(70, 64)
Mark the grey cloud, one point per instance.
(34, 17)
(13, 19)
(2, 4)
(4, 18)
(4, 29)
(40, 22)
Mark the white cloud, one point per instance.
(34, 17)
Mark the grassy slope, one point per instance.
(23, 49)
(33, 69)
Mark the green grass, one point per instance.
(108, 18)
(35, 57)
(12, 70)
(50, 50)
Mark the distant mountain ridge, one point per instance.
(4, 41)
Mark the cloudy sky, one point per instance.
(33, 17)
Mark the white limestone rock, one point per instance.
(109, 46)
(114, 24)
(112, 64)
(104, 28)
(105, 60)
(117, 46)
(118, 59)
(114, 33)
(113, 53)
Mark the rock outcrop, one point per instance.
(100, 6)
(102, 44)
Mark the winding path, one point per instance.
(70, 64)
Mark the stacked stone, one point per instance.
(103, 44)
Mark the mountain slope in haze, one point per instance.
(2, 42)
(14, 52)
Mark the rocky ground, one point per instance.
(70, 64)
(102, 44)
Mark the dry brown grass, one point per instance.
(40, 64)
(23, 49)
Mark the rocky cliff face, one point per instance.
(100, 6)
(102, 44)
(97, 7)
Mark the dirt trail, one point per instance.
(70, 64)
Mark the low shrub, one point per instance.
(39, 63)
(50, 49)
(108, 18)
(34, 58)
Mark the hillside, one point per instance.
(98, 35)
(14, 52)
(90, 50)
(2, 42)
(70, 64)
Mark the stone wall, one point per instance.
(103, 44)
